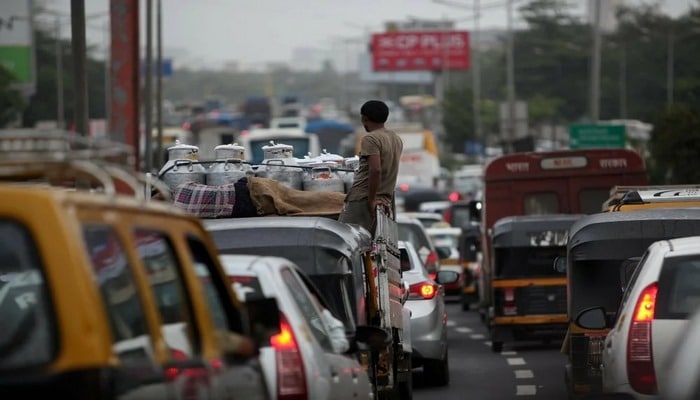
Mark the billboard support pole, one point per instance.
(124, 74)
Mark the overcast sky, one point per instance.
(211, 32)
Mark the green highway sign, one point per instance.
(18, 61)
(596, 136)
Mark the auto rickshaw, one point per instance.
(600, 246)
(529, 297)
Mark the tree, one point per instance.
(675, 146)
(11, 102)
(458, 120)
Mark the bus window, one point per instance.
(541, 203)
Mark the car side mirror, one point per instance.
(592, 318)
(560, 264)
(444, 277)
(263, 319)
(373, 337)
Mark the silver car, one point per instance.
(305, 360)
(426, 302)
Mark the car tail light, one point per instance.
(447, 215)
(422, 291)
(509, 307)
(291, 379)
(432, 261)
(455, 196)
(640, 360)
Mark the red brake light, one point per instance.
(404, 187)
(432, 258)
(422, 291)
(640, 360)
(509, 305)
(291, 379)
(454, 196)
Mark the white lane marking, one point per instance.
(477, 336)
(451, 322)
(526, 390)
(463, 329)
(516, 361)
(488, 343)
(524, 374)
(509, 353)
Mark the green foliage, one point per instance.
(11, 103)
(458, 117)
(675, 146)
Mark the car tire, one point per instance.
(437, 372)
(466, 304)
(496, 347)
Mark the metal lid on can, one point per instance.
(274, 146)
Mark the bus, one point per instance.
(552, 182)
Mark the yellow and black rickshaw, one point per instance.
(600, 247)
(529, 296)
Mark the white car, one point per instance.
(428, 316)
(663, 289)
(300, 361)
(679, 378)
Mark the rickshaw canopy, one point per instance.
(313, 243)
(598, 245)
(533, 230)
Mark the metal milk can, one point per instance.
(350, 164)
(323, 176)
(182, 166)
(229, 165)
(280, 166)
(274, 151)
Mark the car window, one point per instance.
(225, 315)
(247, 287)
(413, 234)
(632, 281)
(405, 260)
(163, 271)
(679, 287)
(307, 308)
(114, 275)
(27, 329)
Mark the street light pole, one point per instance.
(595, 63)
(159, 83)
(669, 68)
(148, 90)
(476, 74)
(79, 66)
(510, 79)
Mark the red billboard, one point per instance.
(420, 50)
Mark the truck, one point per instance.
(366, 290)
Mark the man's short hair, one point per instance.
(375, 110)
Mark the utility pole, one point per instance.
(148, 88)
(159, 83)
(595, 63)
(476, 74)
(77, 8)
(60, 119)
(669, 68)
(510, 80)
